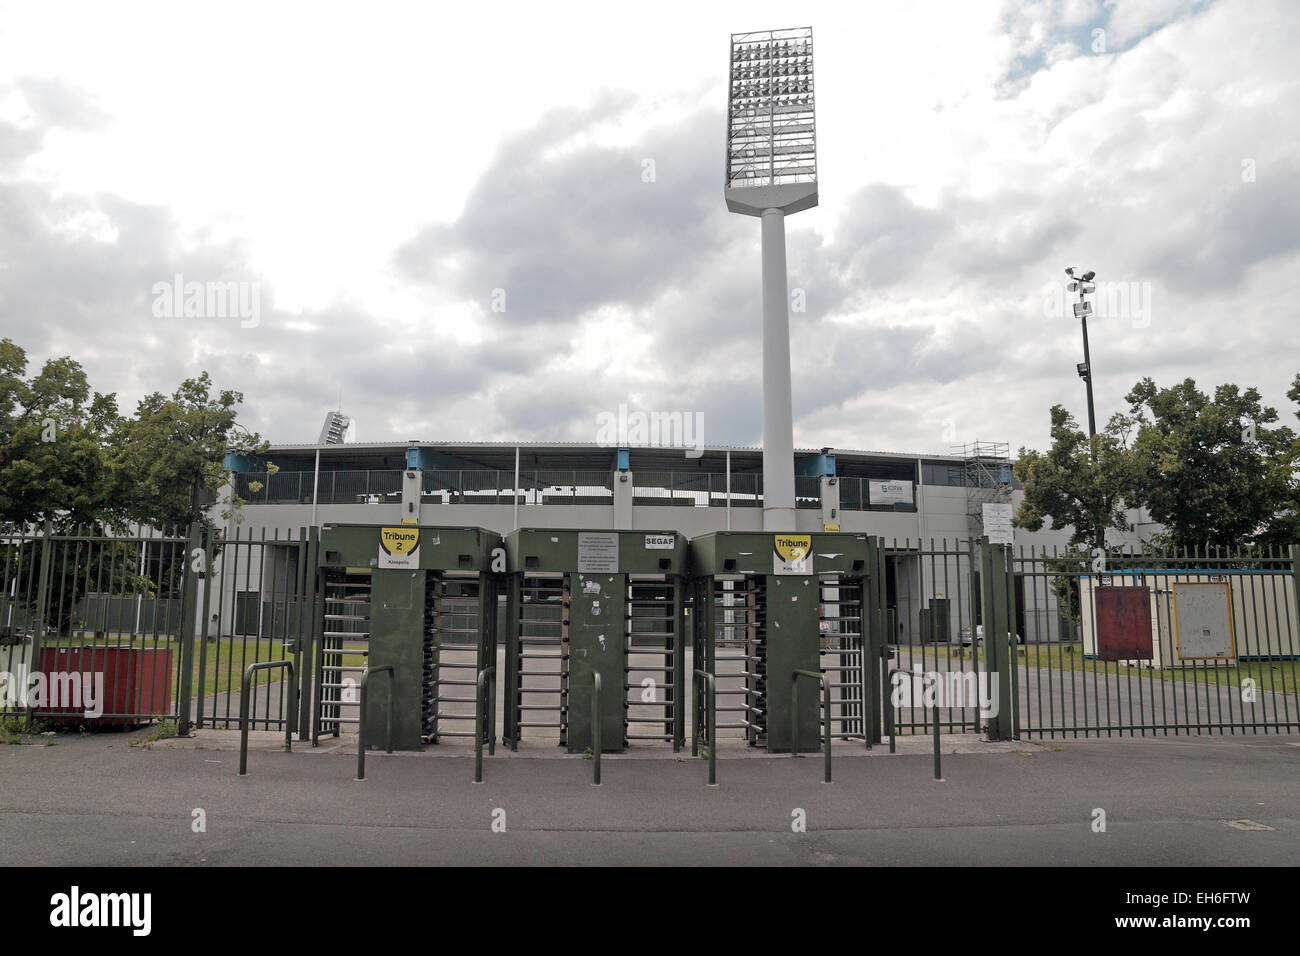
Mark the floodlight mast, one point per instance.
(771, 172)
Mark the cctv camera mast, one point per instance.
(771, 171)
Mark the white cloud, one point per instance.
(381, 172)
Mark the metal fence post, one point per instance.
(595, 728)
(196, 569)
(306, 651)
(937, 774)
(999, 657)
(42, 598)
(361, 723)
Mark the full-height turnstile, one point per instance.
(581, 603)
(421, 599)
(765, 605)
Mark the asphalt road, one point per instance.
(95, 800)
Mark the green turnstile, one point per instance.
(581, 603)
(766, 605)
(421, 599)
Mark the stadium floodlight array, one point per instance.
(771, 171)
(771, 123)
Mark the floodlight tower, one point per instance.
(771, 171)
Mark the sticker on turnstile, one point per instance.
(792, 554)
(399, 547)
(590, 586)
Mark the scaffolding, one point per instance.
(985, 473)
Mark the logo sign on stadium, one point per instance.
(792, 554)
(399, 547)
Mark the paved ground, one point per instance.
(95, 800)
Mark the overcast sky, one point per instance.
(380, 169)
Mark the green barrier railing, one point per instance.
(595, 729)
(361, 722)
(486, 697)
(889, 711)
(710, 723)
(245, 689)
(826, 714)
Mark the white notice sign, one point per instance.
(997, 523)
(598, 552)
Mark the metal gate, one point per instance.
(94, 626)
(1152, 643)
(1041, 642)
(255, 597)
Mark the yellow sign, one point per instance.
(792, 547)
(831, 527)
(399, 541)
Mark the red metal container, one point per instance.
(137, 684)
(1123, 623)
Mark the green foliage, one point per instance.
(56, 462)
(1201, 471)
(68, 457)
(174, 451)
(1214, 471)
(163, 729)
(1069, 488)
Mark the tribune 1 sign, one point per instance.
(997, 523)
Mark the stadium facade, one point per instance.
(905, 498)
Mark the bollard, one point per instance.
(937, 775)
(245, 693)
(595, 729)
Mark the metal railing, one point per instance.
(485, 697)
(361, 721)
(595, 728)
(469, 486)
(825, 719)
(893, 724)
(711, 723)
(244, 696)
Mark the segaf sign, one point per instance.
(399, 547)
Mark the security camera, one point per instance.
(1089, 276)
(1070, 272)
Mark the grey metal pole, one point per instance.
(728, 489)
(1087, 380)
(778, 423)
(315, 488)
(516, 488)
(1100, 542)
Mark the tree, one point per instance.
(1211, 470)
(1071, 487)
(54, 458)
(173, 452)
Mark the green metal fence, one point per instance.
(1024, 642)
(93, 625)
(1071, 678)
(258, 604)
(1012, 641)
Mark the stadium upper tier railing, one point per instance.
(699, 489)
